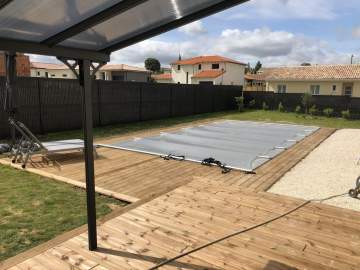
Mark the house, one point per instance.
(22, 65)
(115, 72)
(336, 80)
(51, 70)
(163, 78)
(215, 70)
(255, 82)
(122, 72)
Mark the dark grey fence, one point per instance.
(48, 105)
(290, 101)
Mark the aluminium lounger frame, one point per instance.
(29, 145)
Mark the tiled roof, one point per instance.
(255, 77)
(114, 67)
(165, 76)
(108, 67)
(209, 74)
(319, 72)
(206, 59)
(53, 66)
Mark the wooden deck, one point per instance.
(181, 205)
(315, 237)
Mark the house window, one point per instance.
(47, 74)
(334, 88)
(281, 88)
(179, 67)
(38, 73)
(348, 91)
(215, 66)
(315, 89)
(64, 75)
(200, 66)
(52, 75)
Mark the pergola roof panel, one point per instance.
(37, 20)
(144, 17)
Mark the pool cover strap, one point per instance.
(173, 157)
(212, 161)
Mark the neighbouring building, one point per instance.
(122, 72)
(337, 80)
(255, 82)
(110, 72)
(22, 65)
(215, 70)
(163, 78)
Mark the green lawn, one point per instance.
(35, 209)
(256, 115)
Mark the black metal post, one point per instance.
(10, 92)
(85, 82)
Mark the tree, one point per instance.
(257, 67)
(305, 64)
(152, 64)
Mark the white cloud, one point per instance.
(286, 9)
(356, 32)
(193, 29)
(270, 47)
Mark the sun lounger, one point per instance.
(29, 145)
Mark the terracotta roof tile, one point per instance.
(319, 72)
(40, 65)
(209, 74)
(110, 67)
(165, 76)
(206, 59)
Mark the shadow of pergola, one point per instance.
(152, 259)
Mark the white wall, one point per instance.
(53, 73)
(234, 74)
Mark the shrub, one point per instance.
(252, 104)
(346, 114)
(265, 107)
(328, 112)
(240, 103)
(281, 107)
(307, 101)
(298, 109)
(313, 110)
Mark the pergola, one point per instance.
(84, 33)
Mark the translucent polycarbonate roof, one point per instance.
(37, 20)
(94, 28)
(150, 14)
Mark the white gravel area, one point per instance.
(329, 170)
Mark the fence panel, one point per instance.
(48, 105)
(182, 100)
(155, 101)
(4, 127)
(119, 102)
(204, 98)
(61, 104)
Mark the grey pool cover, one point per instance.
(241, 145)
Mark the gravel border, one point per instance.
(329, 170)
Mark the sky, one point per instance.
(275, 32)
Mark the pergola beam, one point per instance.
(4, 3)
(94, 20)
(135, 38)
(59, 51)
